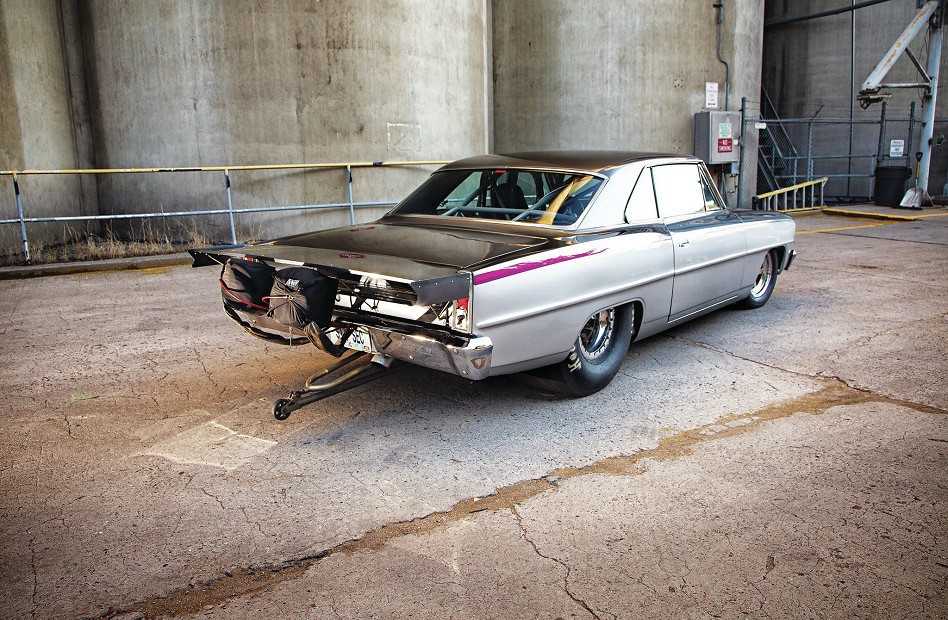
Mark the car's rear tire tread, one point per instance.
(579, 375)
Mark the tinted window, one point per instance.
(516, 195)
(679, 189)
(641, 204)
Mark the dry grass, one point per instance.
(145, 240)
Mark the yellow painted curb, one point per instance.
(807, 211)
(828, 230)
(870, 215)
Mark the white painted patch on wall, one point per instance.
(404, 137)
(211, 444)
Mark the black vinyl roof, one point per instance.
(586, 161)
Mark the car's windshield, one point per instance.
(534, 196)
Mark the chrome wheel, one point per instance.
(596, 335)
(764, 278)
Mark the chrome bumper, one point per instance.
(470, 360)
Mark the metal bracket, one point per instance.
(341, 376)
(918, 66)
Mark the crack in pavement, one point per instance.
(252, 580)
(819, 375)
(526, 537)
(214, 497)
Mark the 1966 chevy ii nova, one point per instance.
(548, 264)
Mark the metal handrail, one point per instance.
(335, 165)
(230, 211)
(771, 200)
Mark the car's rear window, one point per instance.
(534, 196)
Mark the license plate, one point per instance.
(359, 340)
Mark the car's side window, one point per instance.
(641, 205)
(710, 202)
(679, 189)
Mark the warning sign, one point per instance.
(724, 130)
(710, 94)
(725, 145)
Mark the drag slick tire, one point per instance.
(595, 358)
(764, 285)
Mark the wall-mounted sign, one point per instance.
(710, 94)
(897, 148)
(724, 130)
(725, 145)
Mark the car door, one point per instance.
(709, 240)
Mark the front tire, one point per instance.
(764, 284)
(595, 358)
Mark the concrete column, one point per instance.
(244, 82)
(36, 128)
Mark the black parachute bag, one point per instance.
(245, 284)
(302, 296)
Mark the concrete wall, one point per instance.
(97, 83)
(806, 70)
(616, 74)
(36, 120)
(246, 82)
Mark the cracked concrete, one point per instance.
(847, 523)
(96, 515)
(564, 565)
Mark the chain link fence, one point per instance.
(829, 144)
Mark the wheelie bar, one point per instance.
(341, 376)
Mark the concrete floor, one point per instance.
(784, 462)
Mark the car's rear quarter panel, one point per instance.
(533, 308)
(765, 231)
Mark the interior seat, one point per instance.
(511, 197)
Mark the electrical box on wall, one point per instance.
(718, 136)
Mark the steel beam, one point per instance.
(928, 107)
(874, 82)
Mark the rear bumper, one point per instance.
(467, 356)
(469, 359)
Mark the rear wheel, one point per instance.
(595, 358)
(764, 284)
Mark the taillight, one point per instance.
(461, 304)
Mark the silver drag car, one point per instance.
(548, 264)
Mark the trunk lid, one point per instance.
(407, 251)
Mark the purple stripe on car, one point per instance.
(497, 274)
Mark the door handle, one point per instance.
(684, 243)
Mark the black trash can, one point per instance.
(890, 185)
